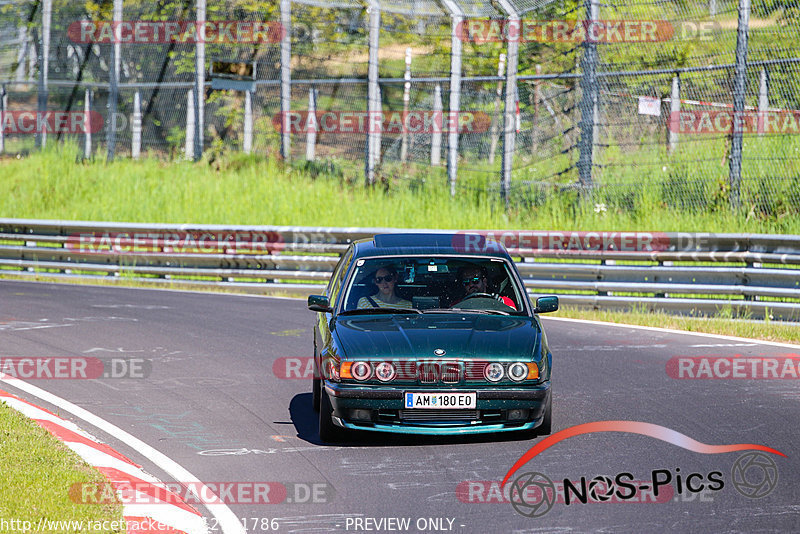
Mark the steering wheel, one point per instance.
(479, 295)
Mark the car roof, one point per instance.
(457, 244)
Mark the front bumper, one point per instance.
(497, 409)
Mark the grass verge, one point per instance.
(239, 189)
(752, 329)
(38, 471)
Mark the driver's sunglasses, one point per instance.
(388, 278)
(474, 280)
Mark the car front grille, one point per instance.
(434, 372)
(435, 416)
(428, 373)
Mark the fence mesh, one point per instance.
(656, 126)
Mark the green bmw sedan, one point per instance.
(429, 334)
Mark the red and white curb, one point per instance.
(165, 512)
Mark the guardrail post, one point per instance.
(311, 126)
(190, 131)
(44, 65)
(87, 130)
(674, 110)
(136, 126)
(406, 101)
(200, 80)
(739, 89)
(113, 83)
(3, 108)
(247, 139)
(436, 137)
(763, 99)
(286, 78)
(373, 92)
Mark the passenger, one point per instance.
(475, 279)
(385, 279)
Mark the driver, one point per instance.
(475, 279)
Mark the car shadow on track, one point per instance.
(306, 423)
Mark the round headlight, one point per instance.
(493, 372)
(517, 371)
(361, 370)
(385, 371)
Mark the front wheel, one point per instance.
(328, 432)
(316, 388)
(547, 421)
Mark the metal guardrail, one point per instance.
(692, 273)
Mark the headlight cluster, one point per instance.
(362, 371)
(516, 371)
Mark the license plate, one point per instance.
(445, 401)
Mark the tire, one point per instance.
(547, 422)
(316, 389)
(328, 432)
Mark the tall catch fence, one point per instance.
(632, 105)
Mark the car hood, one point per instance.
(417, 336)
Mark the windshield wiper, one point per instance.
(460, 310)
(379, 310)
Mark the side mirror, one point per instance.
(318, 303)
(545, 305)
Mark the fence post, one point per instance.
(44, 64)
(537, 97)
(87, 128)
(674, 111)
(22, 53)
(190, 131)
(113, 86)
(510, 108)
(436, 136)
(501, 66)
(247, 139)
(763, 99)
(286, 77)
(406, 101)
(3, 108)
(455, 91)
(588, 102)
(739, 89)
(311, 126)
(136, 126)
(373, 92)
(200, 80)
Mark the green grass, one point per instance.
(722, 324)
(37, 473)
(238, 189)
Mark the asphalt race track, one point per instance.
(212, 403)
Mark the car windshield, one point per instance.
(433, 285)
